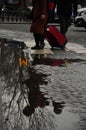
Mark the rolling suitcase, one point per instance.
(55, 37)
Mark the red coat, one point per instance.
(39, 8)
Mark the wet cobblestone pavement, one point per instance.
(46, 93)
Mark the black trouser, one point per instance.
(65, 22)
(39, 38)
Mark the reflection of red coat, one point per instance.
(39, 8)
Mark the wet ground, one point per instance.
(46, 93)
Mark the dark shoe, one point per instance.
(36, 47)
(42, 45)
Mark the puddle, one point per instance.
(38, 59)
(25, 106)
(12, 43)
(42, 60)
(23, 100)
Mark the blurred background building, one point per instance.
(21, 9)
(15, 3)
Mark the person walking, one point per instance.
(65, 8)
(39, 22)
(51, 10)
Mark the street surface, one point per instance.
(60, 79)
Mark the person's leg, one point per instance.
(67, 23)
(36, 38)
(62, 24)
(39, 40)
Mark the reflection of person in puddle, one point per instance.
(35, 97)
(58, 107)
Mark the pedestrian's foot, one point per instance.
(36, 47)
(42, 45)
(63, 48)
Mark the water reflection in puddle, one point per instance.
(39, 59)
(25, 105)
